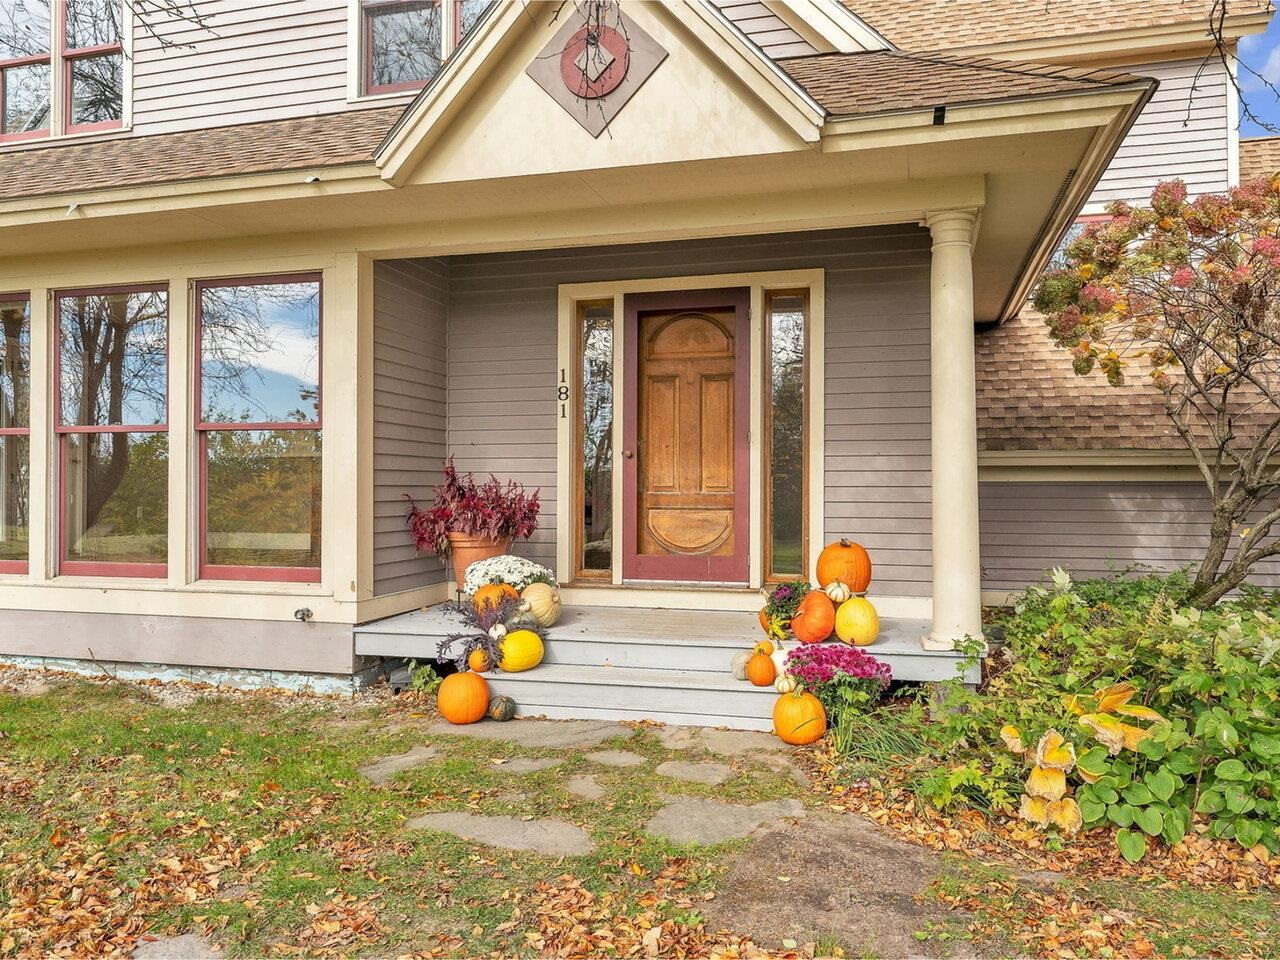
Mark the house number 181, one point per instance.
(562, 394)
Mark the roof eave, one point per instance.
(1101, 152)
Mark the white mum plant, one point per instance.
(516, 571)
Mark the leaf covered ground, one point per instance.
(130, 812)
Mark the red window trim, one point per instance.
(18, 566)
(214, 571)
(66, 58)
(370, 88)
(33, 60)
(94, 568)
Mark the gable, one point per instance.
(712, 95)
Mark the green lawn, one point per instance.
(268, 792)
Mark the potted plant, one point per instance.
(471, 521)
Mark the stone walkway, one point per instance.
(709, 758)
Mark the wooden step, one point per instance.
(687, 697)
(632, 664)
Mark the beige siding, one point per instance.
(502, 372)
(1092, 528)
(409, 412)
(768, 30)
(255, 60)
(1183, 132)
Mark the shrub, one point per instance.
(1151, 714)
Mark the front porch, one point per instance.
(623, 663)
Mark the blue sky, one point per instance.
(1262, 53)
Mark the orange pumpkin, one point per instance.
(846, 562)
(492, 594)
(798, 718)
(479, 661)
(760, 670)
(764, 620)
(815, 618)
(463, 697)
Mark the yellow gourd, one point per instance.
(543, 601)
(857, 622)
(521, 650)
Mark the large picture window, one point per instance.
(786, 425)
(15, 432)
(111, 420)
(259, 428)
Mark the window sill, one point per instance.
(86, 136)
(261, 588)
(388, 96)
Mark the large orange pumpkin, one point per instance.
(815, 618)
(846, 562)
(760, 670)
(764, 621)
(463, 697)
(798, 718)
(492, 594)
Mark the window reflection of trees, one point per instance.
(242, 328)
(786, 441)
(15, 459)
(404, 43)
(113, 371)
(597, 438)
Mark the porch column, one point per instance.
(957, 597)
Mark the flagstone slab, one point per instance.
(711, 774)
(527, 765)
(585, 786)
(555, 838)
(727, 743)
(383, 770)
(189, 946)
(616, 758)
(695, 820)
(551, 734)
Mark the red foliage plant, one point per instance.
(490, 509)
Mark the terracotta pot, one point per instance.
(465, 550)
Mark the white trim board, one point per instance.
(571, 294)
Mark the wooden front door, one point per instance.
(685, 472)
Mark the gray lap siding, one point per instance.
(502, 372)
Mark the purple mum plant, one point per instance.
(842, 677)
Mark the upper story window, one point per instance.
(61, 67)
(405, 42)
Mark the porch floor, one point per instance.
(626, 663)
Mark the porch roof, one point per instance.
(299, 143)
(881, 81)
(1259, 157)
(842, 84)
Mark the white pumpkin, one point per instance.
(779, 658)
(498, 631)
(785, 683)
(738, 665)
(542, 600)
(838, 592)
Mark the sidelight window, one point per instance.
(786, 426)
(113, 443)
(259, 428)
(594, 446)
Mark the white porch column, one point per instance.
(957, 596)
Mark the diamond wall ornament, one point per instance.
(595, 63)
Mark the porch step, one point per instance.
(689, 697)
(633, 664)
